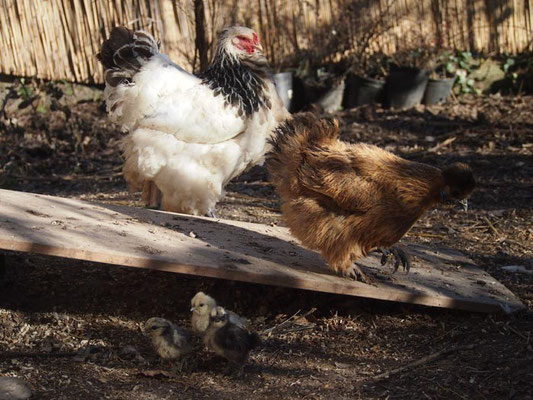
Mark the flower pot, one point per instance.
(283, 81)
(332, 100)
(326, 92)
(361, 90)
(405, 86)
(438, 90)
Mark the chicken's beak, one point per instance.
(258, 47)
(464, 204)
(193, 309)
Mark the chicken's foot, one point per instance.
(151, 195)
(399, 255)
(355, 273)
(182, 365)
(234, 370)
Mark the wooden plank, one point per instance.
(234, 250)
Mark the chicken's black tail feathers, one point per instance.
(124, 53)
(255, 340)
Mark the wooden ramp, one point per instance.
(235, 250)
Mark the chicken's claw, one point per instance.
(355, 273)
(399, 255)
(233, 370)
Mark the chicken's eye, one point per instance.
(153, 328)
(201, 305)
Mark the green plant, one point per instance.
(461, 64)
(24, 92)
(507, 67)
(464, 83)
(518, 70)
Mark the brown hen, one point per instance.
(347, 200)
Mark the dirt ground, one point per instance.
(72, 329)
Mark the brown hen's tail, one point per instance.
(124, 53)
(291, 139)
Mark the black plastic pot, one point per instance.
(331, 101)
(405, 87)
(360, 91)
(283, 82)
(326, 93)
(438, 90)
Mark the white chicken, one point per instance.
(189, 135)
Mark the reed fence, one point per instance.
(59, 39)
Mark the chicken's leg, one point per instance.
(399, 255)
(151, 195)
(354, 272)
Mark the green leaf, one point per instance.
(68, 90)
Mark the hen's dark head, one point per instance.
(239, 71)
(459, 182)
(242, 44)
(218, 317)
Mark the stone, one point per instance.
(14, 388)
(487, 74)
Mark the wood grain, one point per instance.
(233, 250)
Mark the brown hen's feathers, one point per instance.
(346, 200)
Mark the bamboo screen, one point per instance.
(58, 39)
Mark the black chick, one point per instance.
(229, 340)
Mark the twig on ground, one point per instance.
(285, 322)
(36, 354)
(422, 361)
(64, 177)
(444, 143)
(506, 239)
(448, 389)
(520, 334)
(492, 227)
(517, 332)
(236, 195)
(421, 234)
(301, 328)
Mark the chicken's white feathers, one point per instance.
(189, 139)
(164, 97)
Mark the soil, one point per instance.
(72, 329)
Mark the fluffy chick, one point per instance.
(229, 340)
(201, 306)
(347, 200)
(170, 342)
